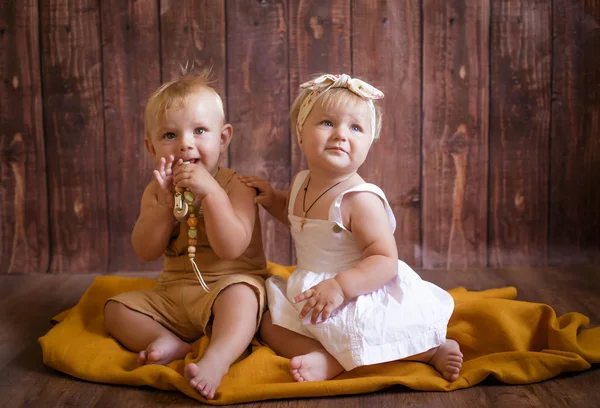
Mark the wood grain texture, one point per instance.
(575, 144)
(258, 100)
(319, 43)
(27, 305)
(192, 34)
(74, 128)
(74, 75)
(131, 72)
(519, 132)
(386, 52)
(455, 133)
(24, 243)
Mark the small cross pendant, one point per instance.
(303, 222)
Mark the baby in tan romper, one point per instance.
(185, 122)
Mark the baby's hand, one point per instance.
(323, 299)
(164, 177)
(266, 193)
(194, 177)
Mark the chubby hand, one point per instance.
(322, 299)
(164, 177)
(266, 192)
(194, 177)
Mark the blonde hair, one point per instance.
(175, 93)
(335, 97)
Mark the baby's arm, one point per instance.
(368, 221)
(154, 226)
(366, 217)
(229, 217)
(272, 200)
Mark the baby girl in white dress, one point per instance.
(350, 302)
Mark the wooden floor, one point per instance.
(27, 302)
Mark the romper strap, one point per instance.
(224, 176)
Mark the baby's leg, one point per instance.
(309, 360)
(447, 359)
(140, 333)
(234, 323)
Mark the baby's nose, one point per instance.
(340, 133)
(187, 143)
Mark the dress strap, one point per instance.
(335, 211)
(300, 177)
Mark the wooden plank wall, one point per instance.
(490, 150)
(456, 81)
(24, 231)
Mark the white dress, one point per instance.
(406, 317)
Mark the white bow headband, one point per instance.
(326, 82)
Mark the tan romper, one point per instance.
(178, 301)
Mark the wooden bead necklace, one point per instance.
(183, 205)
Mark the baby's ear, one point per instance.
(226, 134)
(149, 146)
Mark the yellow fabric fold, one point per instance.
(516, 342)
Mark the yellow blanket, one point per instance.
(516, 342)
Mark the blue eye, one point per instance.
(169, 135)
(327, 123)
(356, 128)
(199, 131)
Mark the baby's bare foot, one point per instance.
(448, 360)
(164, 350)
(206, 375)
(314, 366)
